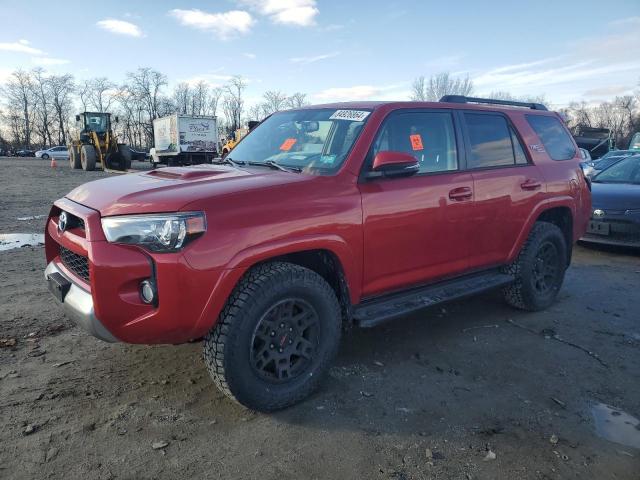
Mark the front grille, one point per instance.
(76, 263)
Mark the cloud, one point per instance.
(213, 80)
(444, 63)
(120, 27)
(362, 92)
(225, 25)
(5, 75)
(626, 22)
(21, 46)
(597, 65)
(48, 61)
(608, 91)
(250, 56)
(287, 12)
(313, 59)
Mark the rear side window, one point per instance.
(553, 135)
(493, 142)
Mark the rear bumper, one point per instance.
(78, 306)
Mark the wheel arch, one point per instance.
(330, 257)
(560, 212)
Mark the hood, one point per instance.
(169, 189)
(615, 196)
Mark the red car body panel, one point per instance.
(387, 235)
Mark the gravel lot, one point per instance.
(474, 390)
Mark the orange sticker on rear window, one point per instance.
(287, 144)
(416, 142)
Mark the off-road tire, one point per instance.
(522, 293)
(227, 347)
(88, 157)
(74, 158)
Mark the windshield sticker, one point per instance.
(327, 159)
(287, 144)
(416, 142)
(351, 115)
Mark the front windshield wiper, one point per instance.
(276, 166)
(230, 161)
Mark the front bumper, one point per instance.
(621, 229)
(620, 242)
(78, 306)
(106, 277)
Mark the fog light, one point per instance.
(148, 291)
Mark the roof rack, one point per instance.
(491, 101)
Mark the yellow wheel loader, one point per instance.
(97, 144)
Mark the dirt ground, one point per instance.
(474, 390)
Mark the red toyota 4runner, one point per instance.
(322, 217)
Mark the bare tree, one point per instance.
(181, 97)
(233, 103)
(61, 88)
(145, 85)
(440, 85)
(42, 105)
(504, 95)
(214, 99)
(19, 94)
(256, 112)
(274, 100)
(296, 100)
(419, 90)
(99, 94)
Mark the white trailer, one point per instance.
(184, 139)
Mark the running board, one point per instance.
(375, 311)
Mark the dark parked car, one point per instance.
(139, 155)
(616, 204)
(25, 153)
(596, 166)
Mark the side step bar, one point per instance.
(375, 311)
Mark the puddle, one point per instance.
(9, 241)
(616, 426)
(30, 217)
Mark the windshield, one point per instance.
(603, 163)
(314, 140)
(96, 122)
(625, 171)
(618, 153)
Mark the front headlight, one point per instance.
(163, 232)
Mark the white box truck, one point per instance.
(184, 140)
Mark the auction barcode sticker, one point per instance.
(353, 115)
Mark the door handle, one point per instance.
(460, 193)
(531, 184)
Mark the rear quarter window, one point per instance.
(555, 138)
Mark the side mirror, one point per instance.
(395, 164)
(77, 118)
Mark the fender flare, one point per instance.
(247, 258)
(547, 204)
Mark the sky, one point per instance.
(336, 50)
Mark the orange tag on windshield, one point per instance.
(416, 142)
(287, 144)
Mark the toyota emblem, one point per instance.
(62, 222)
(597, 213)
